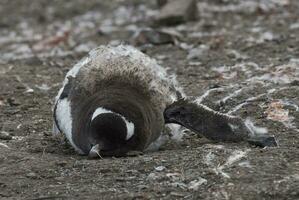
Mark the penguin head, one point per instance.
(109, 132)
(114, 121)
(179, 111)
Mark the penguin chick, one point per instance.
(112, 101)
(117, 100)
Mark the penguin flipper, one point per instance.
(214, 125)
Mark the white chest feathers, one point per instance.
(65, 120)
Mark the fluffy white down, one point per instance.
(130, 125)
(176, 135)
(177, 131)
(64, 120)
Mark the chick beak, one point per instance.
(95, 152)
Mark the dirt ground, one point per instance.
(239, 56)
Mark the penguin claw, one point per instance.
(95, 152)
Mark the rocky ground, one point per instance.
(240, 57)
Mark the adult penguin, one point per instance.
(117, 100)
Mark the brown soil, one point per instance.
(249, 45)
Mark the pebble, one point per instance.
(176, 194)
(174, 176)
(61, 163)
(194, 185)
(160, 168)
(197, 52)
(31, 175)
(152, 176)
(295, 83)
(3, 145)
(13, 102)
(161, 3)
(179, 185)
(150, 36)
(176, 12)
(156, 177)
(142, 187)
(5, 136)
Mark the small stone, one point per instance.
(142, 187)
(5, 136)
(152, 176)
(160, 168)
(295, 83)
(179, 185)
(177, 12)
(29, 90)
(61, 163)
(161, 3)
(194, 185)
(233, 54)
(150, 36)
(193, 63)
(106, 29)
(197, 52)
(59, 179)
(4, 145)
(31, 175)
(13, 102)
(174, 176)
(176, 194)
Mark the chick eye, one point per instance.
(179, 112)
(176, 113)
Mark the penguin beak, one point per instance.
(172, 115)
(95, 152)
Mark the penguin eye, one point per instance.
(176, 113)
(179, 111)
(182, 110)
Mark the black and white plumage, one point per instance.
(120, 81)
(117, 100)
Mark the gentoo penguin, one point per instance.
(117, 100)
